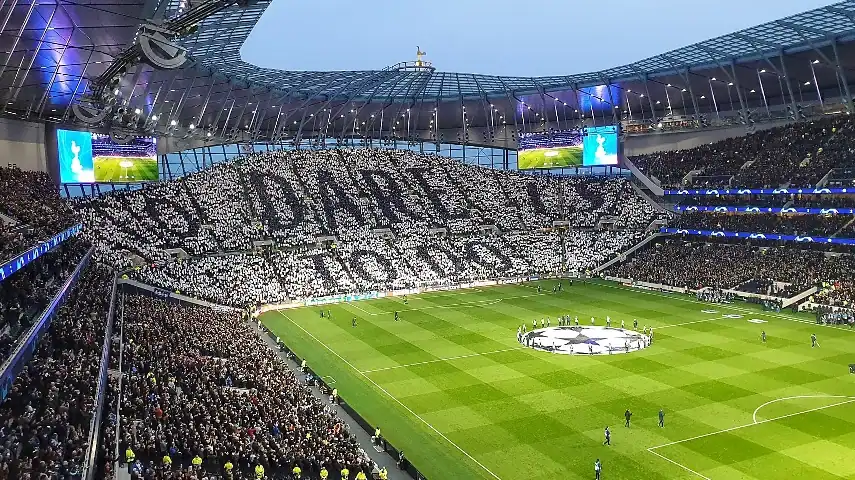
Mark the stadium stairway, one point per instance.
(644, 179)
(844, 227)
(624, 255)
(641, 193)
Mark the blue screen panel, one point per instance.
(600, 146)
(75, 156)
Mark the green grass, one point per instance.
(109, 169)
(560, 157)
(528, 414)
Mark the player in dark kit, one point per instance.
(396, 316)
(661, 418)
(353, 322)
(627, 414)
(608, 437)
(763, 335)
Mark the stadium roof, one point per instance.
(219, 39)
(58, 53)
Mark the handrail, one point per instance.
(26, 346)
(95, 423)
(21, 260)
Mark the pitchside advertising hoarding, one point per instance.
(591, 146)
(86, 157)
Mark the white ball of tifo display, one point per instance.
(585, 340)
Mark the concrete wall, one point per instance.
(23, 144)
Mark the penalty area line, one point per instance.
(446, 359)
(755, 422)
(663, 457)
(408, 409)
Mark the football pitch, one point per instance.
(125, 169)
(450, 385)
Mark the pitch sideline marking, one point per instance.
(475, 303)
(754, 417)
(755, 422)
(464, 452)
(442, 360)
(692, 323)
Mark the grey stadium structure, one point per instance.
(173, 70)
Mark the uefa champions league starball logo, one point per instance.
(580, 340)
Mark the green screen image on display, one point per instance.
(550, 157)
(113, 169)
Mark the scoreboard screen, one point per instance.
(570, 148)
(86, 157)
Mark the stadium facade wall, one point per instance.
(665, 142)
(22, 144)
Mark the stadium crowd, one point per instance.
(203, 392)
(46, 416)
(36, 212)
(798, 154)
(294, 197)
(26, 293)
(723, 265)
(373, 264)
(787, 224)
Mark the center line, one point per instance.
(441, 360)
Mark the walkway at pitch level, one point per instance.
(364, 439)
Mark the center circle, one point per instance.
(578, 340)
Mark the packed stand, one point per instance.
(47, 413)
(724, 265)
(32, 201)
(786, 224)
(798, 154)
(294, 197)
(376, 265)
(203, 393)
(27, 292)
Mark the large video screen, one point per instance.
(600, 146)
(570, 148)
(86, 157)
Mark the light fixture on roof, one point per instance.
(668, 85)
(729, 84)
(658, 102)
(642, 95)
(191, 127)
(807, 83)
(154, 118)
(762, 70)
(137, 111)
(372, 115)
(173, 123)
(683, 90)
(116, 91)
(209, 134)
(752, 91)
(815, 62)
(565, 104)
(703, 97)
(712, 79)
